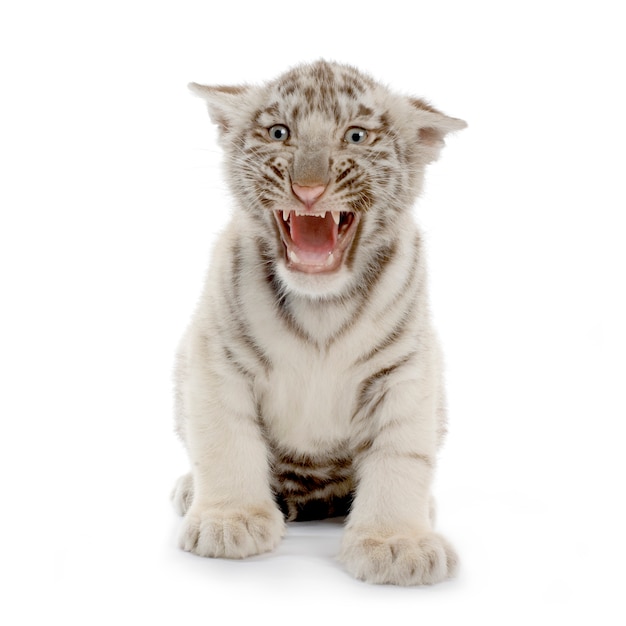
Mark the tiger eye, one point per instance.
(278, 132)
(355, 135)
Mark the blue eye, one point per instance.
(278, 132)
(355, 135)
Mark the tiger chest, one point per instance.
(307, 402)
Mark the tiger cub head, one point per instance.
(325, 165)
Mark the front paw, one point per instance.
(231, 533)
(399, 559)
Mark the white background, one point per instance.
(110, 199)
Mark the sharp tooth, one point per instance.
(293, 257)
(330, 260)
(336, 217)
(285, 215)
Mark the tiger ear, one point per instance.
(433, 127)
(224, 102)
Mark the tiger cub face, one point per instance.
(325, 164)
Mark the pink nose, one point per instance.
(308, 195)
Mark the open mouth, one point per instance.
(316, 242)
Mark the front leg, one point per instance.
(389, 536)
(232, 512)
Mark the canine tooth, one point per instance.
(336, 217)
(293, 256)
(330, 260)
(285, 215)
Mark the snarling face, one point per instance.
(325, 164)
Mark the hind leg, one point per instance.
(182, 494)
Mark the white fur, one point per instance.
(306, 401)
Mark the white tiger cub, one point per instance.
(309, 380)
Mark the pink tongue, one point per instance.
(314, 234)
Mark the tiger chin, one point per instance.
(309, 381)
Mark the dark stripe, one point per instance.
(416, 456)
(307, 483)
(273, 109)
(232, 360)
(353, 82)
(279, 294)
(363, 201)
(396, 333)
(360, 306)
(419, 103)
(311, 487)
(244, 338)
(374, 268)
(407, 289)
(355, 246)
(384, 451)
(348, 91)
(385, 372)
(272, 182)
(368, 391)
(342, 181)
(235, 308)
(277, 172)
(363, 447)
